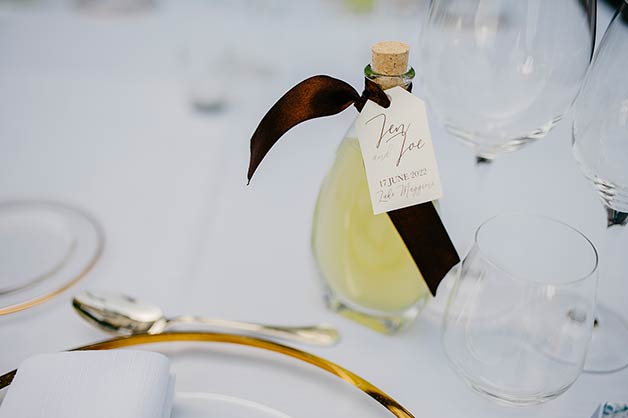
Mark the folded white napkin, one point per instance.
(94, 384)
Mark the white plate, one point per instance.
(215, 405)
(45, 248)
(228, 375)
(288, 386)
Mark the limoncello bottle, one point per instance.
(368, 273)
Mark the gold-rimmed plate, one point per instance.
(278, 377)
(45, 248)
(208, 405)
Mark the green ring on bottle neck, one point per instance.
(402, 79)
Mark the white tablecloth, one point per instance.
(92, 111)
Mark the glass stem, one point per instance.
(613, 259)
(615, 218)
(482, 167)
(616, 242)
(480, 161)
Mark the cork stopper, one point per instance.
(390, 57)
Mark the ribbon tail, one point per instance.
(314, 97)
(427, 240)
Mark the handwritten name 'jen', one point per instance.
(391, 132)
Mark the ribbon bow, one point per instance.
(419, 226)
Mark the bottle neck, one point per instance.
(390, 81)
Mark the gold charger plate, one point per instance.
(392, 406)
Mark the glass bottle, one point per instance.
(368, 273)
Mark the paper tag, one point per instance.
(398, 154)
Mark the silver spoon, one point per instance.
(124, 315)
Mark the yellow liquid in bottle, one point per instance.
(360, 255)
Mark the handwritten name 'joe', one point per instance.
(391, 133)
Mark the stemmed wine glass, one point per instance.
(600, 146)
(501, 73)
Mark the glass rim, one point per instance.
(517, 277)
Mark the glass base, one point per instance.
(608, 350)
(383, 322)
(509, 400)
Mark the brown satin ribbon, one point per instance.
(419, 226)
